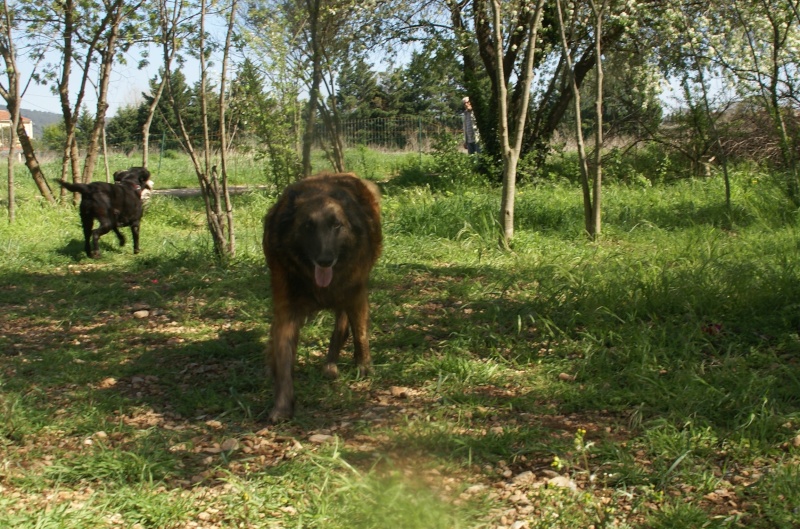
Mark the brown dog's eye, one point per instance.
(337, 225)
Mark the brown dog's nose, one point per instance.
(325, 262)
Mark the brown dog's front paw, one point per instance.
(278, 415)
(330, 370)
(364, 370)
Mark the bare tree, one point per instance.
(552, 97)
(576, 94)
(594, 224)
(223, 134)
(12, 94)
(169, 28)
(322, 25)
(591, 177)
(765, 67)
(87, 36)
(7, 43)
(316, 36)
(696, 59)
(219, 211)
(511, 140)
(108, 40)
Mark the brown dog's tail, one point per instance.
(75, 188)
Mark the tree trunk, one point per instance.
(511, 147)
(598, 102)
(316, 81)
(102, 104)
(223, 134)
(331, 120)
(11, 93)
(588, 209)
(509, 195)
(207, 175)
(13, 98)
(32, 163)
(168, 25)
(70, 117)
(11, 140)
(71, 162)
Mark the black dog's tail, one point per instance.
(75, 188)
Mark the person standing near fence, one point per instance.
(471, 137)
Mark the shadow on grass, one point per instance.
(191, 373)
(74, 250)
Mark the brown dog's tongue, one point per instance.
(323, 275)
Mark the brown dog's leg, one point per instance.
(282, 349)
(341, 331)
(359, 317)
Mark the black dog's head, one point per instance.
(138, 178)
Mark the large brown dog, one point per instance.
(321, 239)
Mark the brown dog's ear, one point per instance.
(285, 216)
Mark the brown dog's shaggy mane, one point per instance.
(321, 240)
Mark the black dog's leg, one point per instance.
(86, 222)
(135, 233)
(120, 236)
(104, 228)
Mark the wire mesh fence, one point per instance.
(390, 134)
(401, 133)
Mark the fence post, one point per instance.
(419, 138)
(161, 153)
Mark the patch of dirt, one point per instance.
(527, 485)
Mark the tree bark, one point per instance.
(13, 97)
(588, 210)
(32, 163)
(168, 25)
(512, 146)
(598, 102)
(114, 17)
(316, 81)
(207, 175)
(231, 251)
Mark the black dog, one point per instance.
(113, 205)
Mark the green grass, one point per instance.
(656, 368)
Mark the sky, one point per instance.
(125, 87)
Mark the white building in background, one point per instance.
(5, 127)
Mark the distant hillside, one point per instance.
(41, 120)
